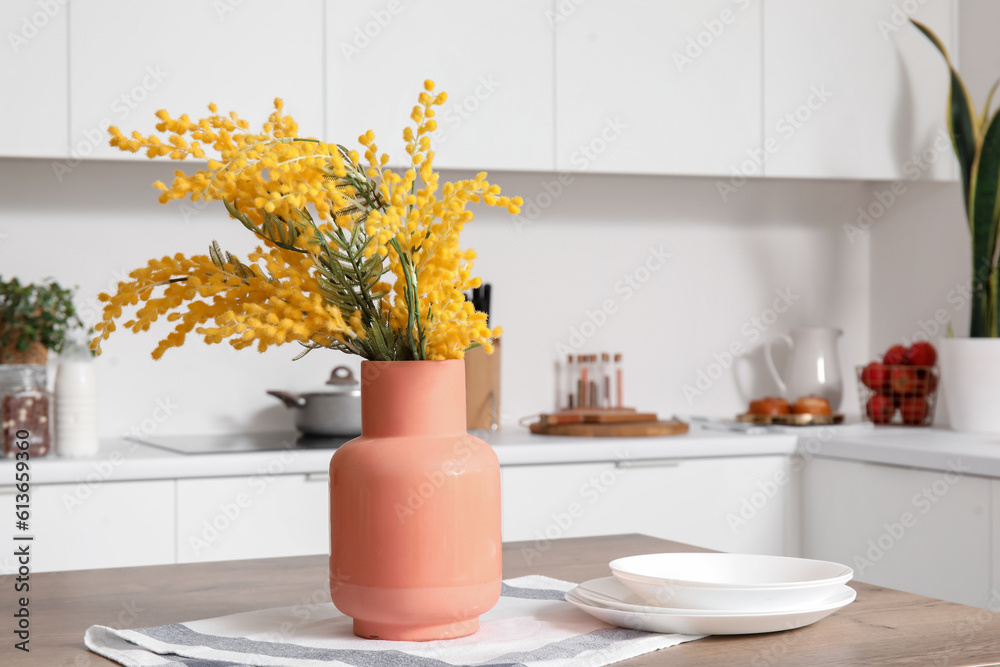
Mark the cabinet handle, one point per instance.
(648, 463)
(318, 477)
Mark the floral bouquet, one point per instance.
(353, 256)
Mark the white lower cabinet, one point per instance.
(922, 531)
(993, 603)
(730, 504)
(264, 516)
(92, 525)
(927, 532)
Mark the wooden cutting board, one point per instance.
(598, 416)
(613, 430)
(613, 416)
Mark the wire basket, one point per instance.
(901, 396)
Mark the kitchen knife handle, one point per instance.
(486, 301)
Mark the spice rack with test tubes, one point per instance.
(590, 381)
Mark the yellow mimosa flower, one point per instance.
(355, 257)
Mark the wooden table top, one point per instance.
(883, 627)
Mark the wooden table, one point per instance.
(883, 627)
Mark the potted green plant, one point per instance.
(969, 366)
(34, 318)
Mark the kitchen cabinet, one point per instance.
(93, 524)
(852, 90)
(180, 55)
(658, 87)
(493, 59)
(922, 531)
(730, 88)
(731, 504)
(262, 516)
(33, 78)
(994, 598)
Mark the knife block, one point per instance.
(482, 388)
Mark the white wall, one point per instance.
(728, 262)
(921, 265)
(549, 270)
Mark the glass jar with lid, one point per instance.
(25, 409)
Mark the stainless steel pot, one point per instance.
(334, 412)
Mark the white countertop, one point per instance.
(934, 449)
(120, 460)
(930, 448)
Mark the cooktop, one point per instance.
(240, 442)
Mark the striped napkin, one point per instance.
(531, 625)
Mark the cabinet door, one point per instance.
(644, 86)
(735, 504)
(493, 59)
(33, 108)
(94, 525)
(180, 55)
(265, 516)
(920, 531)
(852, 90)
(995, 542)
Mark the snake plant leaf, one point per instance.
(987, 105)
(984, 215)
(961, 118)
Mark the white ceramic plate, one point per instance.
(721, 624)
(611, 593)
(730, 581)
(720, 570)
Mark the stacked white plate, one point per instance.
(715, 594)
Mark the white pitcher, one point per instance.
(814, 366)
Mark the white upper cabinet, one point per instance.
(33, 79)
(128, 59)
(852, 90)
(722, 88)
(645, 86)
(493, 59)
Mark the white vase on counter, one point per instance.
(813, 367)
(76, 403)
(970, 380)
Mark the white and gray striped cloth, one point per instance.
(531, 625)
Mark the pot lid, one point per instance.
(342, 381)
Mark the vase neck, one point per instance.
(410, 398)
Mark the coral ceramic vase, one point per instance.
(414, 508)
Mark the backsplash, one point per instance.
(685, 283)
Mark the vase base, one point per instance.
(415, 614)
(415, 633)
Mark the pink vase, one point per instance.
(414, 508)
